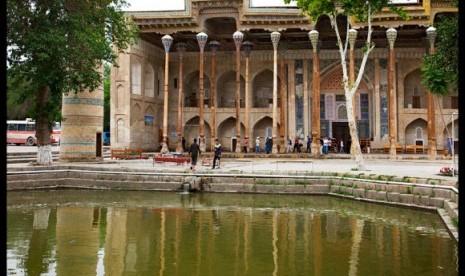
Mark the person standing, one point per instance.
(217, 154)
(341, 147)
(257, 145)
(268, 145)
(246, 145)
(194, 152)
(449, 147)
(309, 144)
(183, 143)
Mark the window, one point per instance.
(454, 102)
(30, 127)
(342, 112)
(13, 127)
(322, 107)
(135, 77)
(340, 98)
(416, 102)
(419, 133)
(364, 106)
(149, 81)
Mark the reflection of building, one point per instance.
(137, 85)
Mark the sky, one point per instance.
(160, 5)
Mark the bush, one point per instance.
(447, 171)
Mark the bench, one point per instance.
(388, 147)
(126, 153)
(171, 159)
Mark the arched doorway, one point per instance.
(263, 90)
(227, 134)
(416, 132)
(191, 90)
(226, 92)
(191, 131)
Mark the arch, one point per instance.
(120, 96)
(415, 131)
(120, 130)
(449, 127)
(149, 110)
(262, 87)
(191, 131)
(191, 89)
(331, 80)
(135, 77)
(226, 90)
(414, 91)
(227, 131)
(261, 126)
(149, 81)
(136, 114)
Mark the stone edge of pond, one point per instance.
(443, 199)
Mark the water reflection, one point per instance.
(147, 233)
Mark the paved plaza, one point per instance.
(378, 166)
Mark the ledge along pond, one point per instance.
(84, 232)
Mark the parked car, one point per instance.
(106, 138)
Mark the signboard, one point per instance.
(148, 119)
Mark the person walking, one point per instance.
(289, 145)
(257, 145)
(194, 152)
(217, 154)
(341, 147)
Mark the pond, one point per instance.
(82, 232)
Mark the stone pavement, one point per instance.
(426, 169)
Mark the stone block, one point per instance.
(416, 199)
(391, 188)
(335, 189)
(442, 193)
(380, 187)
(406, 198)
(404, 189)
(423, 191)
(436, 202)
(424, 200)
(371, 194)
(381, 195)
(359, 193)
(317, 189)
(393, 197)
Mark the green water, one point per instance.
(150, 233)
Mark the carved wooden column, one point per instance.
(247, 48)
(391, 36)
(202, 40)
(167, 40)
(313, 35)
(213, 48)
(238, 36)
(275, 36)
(431, 35)
(282, 125)
(181, 48)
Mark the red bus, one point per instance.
(23, 132)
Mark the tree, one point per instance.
(362, 10)
(55, 47)
(440, 69)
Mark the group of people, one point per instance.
(194, 153)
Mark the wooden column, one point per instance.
(247, 47)
(313, 35)
(391, 35)
(202, 40)
(431, 111)
(282, 125)
(181, 48)
(238, 36)
(275, 36)
(213, 47)
(167, 41)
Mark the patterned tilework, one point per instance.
(82, 120)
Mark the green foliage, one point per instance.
(357, 8)
(440, 70)
(55, 47)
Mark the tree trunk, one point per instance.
(43, 130)
(355, 146)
